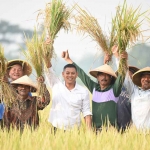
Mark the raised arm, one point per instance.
(90, 84)
(127, 82)
(43, 100)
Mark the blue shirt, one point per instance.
(2, 108)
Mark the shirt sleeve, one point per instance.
(86, 109)
(117, 86)
(50, 77)
(90, 84)
(128, 84)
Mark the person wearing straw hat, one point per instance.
(105, 92)
(15, 69)
(124, 105)
(139, 91)
(138, 88)
(24, 111)
(124, 102)
(69, 99)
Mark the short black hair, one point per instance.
(145, 73)
(70, 66)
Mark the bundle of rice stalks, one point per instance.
(7, 93)
(127, 25)
(35, 47)
(86, 23)
(56, 16)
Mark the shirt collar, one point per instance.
(143, 90)
(75, 87)
(98, 88)
(28, 98)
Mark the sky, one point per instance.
(19, 16)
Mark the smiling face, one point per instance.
(15, 72)
(70, 75)
(145, 81)
(23, 90)
(104, 80)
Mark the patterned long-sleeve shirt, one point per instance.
(25, 112)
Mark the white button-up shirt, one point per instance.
(140, 104)
(67, 105)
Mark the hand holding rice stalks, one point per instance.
(7, 93)
(127, 29)
(35, 47)
(56, 16)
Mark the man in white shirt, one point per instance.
(139, 91)
(68, 99)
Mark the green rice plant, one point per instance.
(87, 24)
(127, 23)
(56, 16)
(35, 47)
(7, 93)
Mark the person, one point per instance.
(138, 88)
(139, 92)
(124, 105)
(69, 99)
(105, 92)
(15, 69)
(24, 111)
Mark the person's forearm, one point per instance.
(88, 121)
(44, 100)
(69, 61)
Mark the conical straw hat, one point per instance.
(105, 69)
(27, 69)
(25, 80)
(137, 76)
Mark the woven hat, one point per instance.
(137, 76)
(27, 69)
(133, 69)
(24, 80)
(105, 69)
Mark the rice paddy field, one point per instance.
(43, 138)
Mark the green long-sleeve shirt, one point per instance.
(104, 108)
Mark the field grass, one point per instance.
(83, 139)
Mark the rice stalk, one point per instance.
(87, 24)
(127, 25)
(56, 16)
(7, 93)
(34, 52)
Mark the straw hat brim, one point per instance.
(136, 78)
(27, 69)
(25, 80)
(105, 69)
